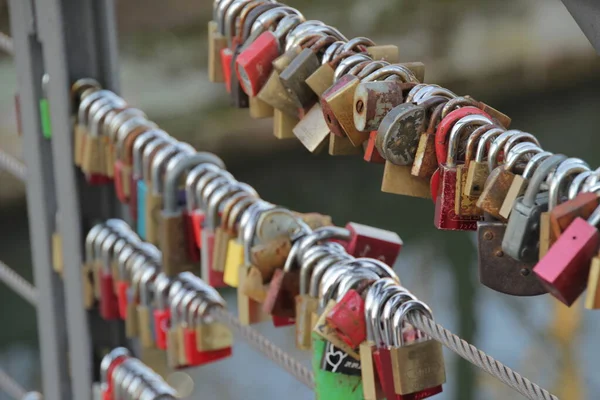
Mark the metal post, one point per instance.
(41, 203)
(77, 42)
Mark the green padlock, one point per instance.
(45, 109)
(337, 375)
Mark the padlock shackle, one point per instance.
(372, 292)
(457, 102)
(567, 168)
(100, 110)
(456, 132)
(210, 182)
(122, 259)
(111, 358)
(270, 18)
(229, 206)
(127, 128)
(191, 181)
(231, 16)
(331, 279)
(90, 240)
(84, 105)
(145, 285)
(286, 25)
(381, 268)
(534, 162)
(351, 282)
(482, 146)
(398, 70)
(162, 284)
(319, 270)
(218, 198)
(539, 176)
(400, 317)
(518, 153)
(248, 223)
(113, 122)
(237, 212)
(577, 184)
(473, 141)
(376, 310)
(309, 261)
(346, 64)
(174, 171)
(391, 307)
(140, 144)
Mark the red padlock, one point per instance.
(347, 317)
(122, 288)
(98, 179)
(111, 361)
(367, 241)
(118, 180)
(447, 144)
(212, 277)
(565, 267)
(443, 130)
(133, 198)
(255, 63)
(279, 322)
(371, 154)
(109, 304)
(226, 57)
(162, 319)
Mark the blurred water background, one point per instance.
(527, 58)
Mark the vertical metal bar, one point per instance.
(41, 203)
(73, 49)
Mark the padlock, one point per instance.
(368, 241)
(342, 146)
(522, 231)
(89, 97)
(176, 357)
(79, 91)
(463, 203)
(109, 305)
(425, 162)
(565, 267)
(423, 355)
(162, 312)
(389, 53)
(500, 179)
(321, 79)
(397, 179)
(173, 238)
(255, 63)
(216, 43)
(270, 256)
(145, 312)
(112, 124)
(110, 362)
(373, 101)
(312, 130)
(90, 268)
(371, 154)
(444, 182)
(154, 187)
(557, 194)
(478, 170)
(563, 214)
(499, 271)
(347, 317)
(284, 286)
(274, 94)
(502, 119)
(122, 170)
(239, 98)
(592, 295)
(398, 133)
(141, 142)
(235, 260)
(520, 182)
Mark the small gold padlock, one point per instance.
(398, 179)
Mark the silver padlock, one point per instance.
(521, 239)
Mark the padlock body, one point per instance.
(425, 163)
(212, 277)
(255, 63)
(592, 295)
(161, 326)
(293, 78)
(563, 214)
(347, 317)
(445, 218)
(329, 384)
(368, 241)
(372, 102)
(226, 57)
(109, 304)
(283, 289)
(118, 182)
(418, 367)
(305, 307)
(496, 188)
(523, 229)
(371, 154)
(397, 179)
(193, 251)
(213, 336)
(564, 269)
(499, 271)
(173, 243)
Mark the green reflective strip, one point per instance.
(45, 116)
(331, 386)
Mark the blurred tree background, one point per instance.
(527, 58)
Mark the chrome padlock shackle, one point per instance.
(186, 308)
(210, 293)
(309, 262)
(578, 183)
(270, 19)
(161, 161)
(539, 177)
(416, 89)
(365, 68)
(487, 138)
(321, 267)
(192, 180)
(352, 281)
(217, 199)
(347, 63)
(391, 307)
(99, 240)
(593, 178)
(127, 129)
(299, 30)
(358, 44)
(473, 142)
(403, 73)
(229, 204)
(140, 144)
(146, 285)
(330, 280)
(376, 310)
(316, 30)
(175, 305)
(138, 268)
(534, 162)
(208, 183)
(106, 249)
(123, 257)
(519, 152)
(175, 169)
(100, 110)
(86, 103)
(248, 224)
(565, 169)
(331, 52)
(90, 240)
(421, 93)
(109, 359)
(162, 285)
(520, 138)
(401, 316)
(317, 235)
(113, 122)
(372, 292)
(220, 13)
(456, 132)
(150, 152)
(237, 211)
(285, 26)
(497, 145)
(81, 88)
(231, 16)
(381, 268)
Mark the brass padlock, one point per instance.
(274, 94)
(283, 125)
(389, 53)
(312, 130)
(216, 43)
(398, 179)
(321, 79)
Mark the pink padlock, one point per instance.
(565, 267)
(367, 241)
